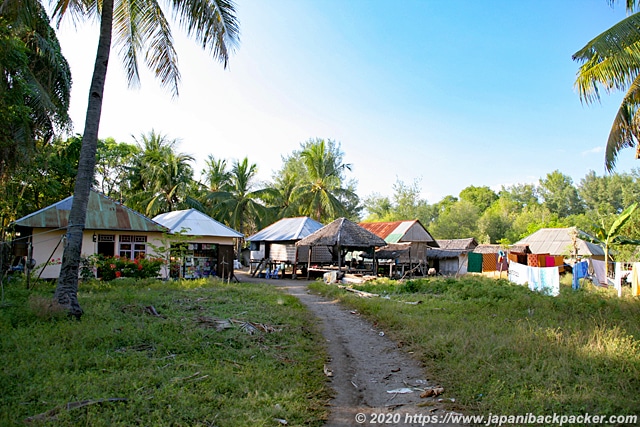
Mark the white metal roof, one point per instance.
(195, 223)
(286, 229)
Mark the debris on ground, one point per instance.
(357, 292)
(403, 390)
(152, 311)
(328, 372)
(245, 326)
(432, 392)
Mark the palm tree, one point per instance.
(141, 30)
(35, 83)
(162, 178)
(216, 175)
(321, 193)
(612, 61)
(238, 204)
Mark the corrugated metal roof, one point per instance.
(287, 230)
(557, 241)
(103, 213)
(399, 231)
(381, 229)
(195, 223)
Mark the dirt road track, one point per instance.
(365, 365)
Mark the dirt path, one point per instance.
(366, 365)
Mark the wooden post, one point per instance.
(27, 265)
(375, 267)
(294, 273)
(309, 262)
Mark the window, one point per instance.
(133, 247)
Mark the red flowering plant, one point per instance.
(110, 268)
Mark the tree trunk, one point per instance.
(67, 289)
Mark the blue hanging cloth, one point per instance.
(580, 270)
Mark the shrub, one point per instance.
(110, 268)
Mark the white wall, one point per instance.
(44, 242)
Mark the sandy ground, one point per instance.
(366, 366)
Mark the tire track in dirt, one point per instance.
(365, 365)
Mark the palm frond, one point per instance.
(160, 56)
(126, 22)
(624, 130)
(610, 60)
(212, 23)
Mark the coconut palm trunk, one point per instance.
(67, 289)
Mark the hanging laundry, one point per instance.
(518, 273)
(598, 269)
(580, 270)
(635, 279)
(539, 279)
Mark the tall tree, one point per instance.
(496, 221)
(113, 166)
(611, 61)
(322, 192)
(482, 197)
(142, 30)
(35, 83)
(458, 221)
(47, 178)
(239, 203)
(216, 176)
(161, 177)
(283, 198)
(406, 205)
(560, 195)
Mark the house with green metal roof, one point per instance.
(110, 229)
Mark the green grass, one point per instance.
(173, 370)
(498, 348)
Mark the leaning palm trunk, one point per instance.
(67, 290)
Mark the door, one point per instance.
(225, 261)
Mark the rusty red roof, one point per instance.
(381, 229)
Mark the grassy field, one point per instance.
(166, 350)
(499, 348)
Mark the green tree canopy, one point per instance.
(559, 194)
(407, 204)
(35, 83)
(239, 203)
(481, 197)
(161, 177)
(322, 191)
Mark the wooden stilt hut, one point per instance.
(341, 236)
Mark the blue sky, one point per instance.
(450, 93)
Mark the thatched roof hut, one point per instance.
(343, 233)
(393, 250)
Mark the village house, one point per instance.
(110, 229)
